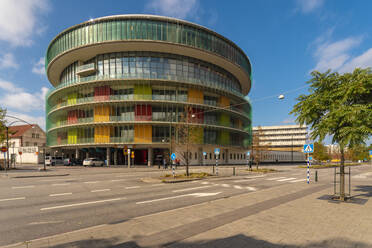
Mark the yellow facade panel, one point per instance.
(224, 101)
(195, 96)
(101, 113)
(142, 134)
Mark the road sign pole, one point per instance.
(216, 165)
(308, 169)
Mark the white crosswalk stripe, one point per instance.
(275, 178)
(298, 180)
(286, 179)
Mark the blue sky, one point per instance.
(285, 40)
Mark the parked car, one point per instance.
(52, 161)
(72, 161)
(93, 162)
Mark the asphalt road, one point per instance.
(36, 207)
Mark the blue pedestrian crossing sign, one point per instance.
(173, 156)
(308, 148)
(217, 151)
(248, 153)
(204, 154)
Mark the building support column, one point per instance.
(108, 156)
(77, 153)
(87, 154)
(227, 156)
(149, 156)
(116, 157)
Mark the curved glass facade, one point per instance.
(141, 28)
(146, 100)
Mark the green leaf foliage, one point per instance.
(339, 105)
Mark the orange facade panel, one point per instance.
(142, 134)
(224, 101)
(102, 135)
(195, 96)
(101, 113)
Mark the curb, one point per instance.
(55, 175)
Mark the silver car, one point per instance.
(93, 162)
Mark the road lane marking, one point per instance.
(158, 184)
(92, 182)
(179, 196)
(59, 179)
(23, 187)
(244, 180)
(188, 189)
(13, 199)
(45, 222)
(286, 179)
(237, 187)
(251, 188)
(82, 204)
(275, 178)
(205, 183)
(118, 180)
(60, 184)
(298, 180)
(100, 190)
(249, 179)
(132, 187)
(224, 185)
(60, 194)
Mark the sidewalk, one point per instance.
(294, 217)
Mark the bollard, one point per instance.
(173, 171)
(316, 176)
(233, 171)
(213, 169)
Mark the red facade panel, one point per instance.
(143, 112)
(102, 93)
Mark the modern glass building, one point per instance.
(137, 81)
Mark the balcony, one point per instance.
(86, 70)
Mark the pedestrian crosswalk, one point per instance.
(240, 184)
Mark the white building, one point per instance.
(25, 144)
(283, 138)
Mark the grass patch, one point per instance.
(326, 166)
(191, 175)
(262, 170)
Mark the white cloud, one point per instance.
(173, 8)
(307, 6)
(362, 61)
(40, 120)
(334, 55)
(19, 20)
(39, 67)
(289, 121)
(15, 98)
(8, 61)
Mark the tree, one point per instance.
(260, 148)
(339, 105)
(2, 125)
(320, 152)
(187, 134)
(358, 152)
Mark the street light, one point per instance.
(7, 134)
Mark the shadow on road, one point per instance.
(237, 241)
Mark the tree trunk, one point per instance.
(342, 175)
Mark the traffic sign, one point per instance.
(308, 148)
(3, 149)
(204, 154)
(173, 156)
(248, 153)
(20, 153)
(217, 151)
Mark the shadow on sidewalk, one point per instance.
(237, 241)
(365, 189)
